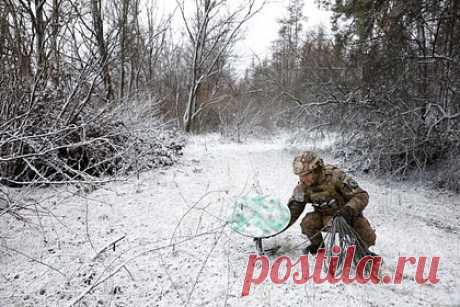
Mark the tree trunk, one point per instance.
(122, 25)
(99, 33)
(40, 26)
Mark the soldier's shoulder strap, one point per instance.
(332, 170)
(334, 174)
(343, 180)
(329, 167)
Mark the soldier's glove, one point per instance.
(347, 213)
(311, 249)
(296, 209)
(295, 204)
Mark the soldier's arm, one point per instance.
(354, 195)
(296, 203)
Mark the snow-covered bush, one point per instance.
(51, 136)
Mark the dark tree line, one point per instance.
(408, 57)
(387, 79)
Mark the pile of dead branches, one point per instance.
(70, 135)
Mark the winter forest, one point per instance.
(128, 128)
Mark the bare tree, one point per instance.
(211, 33)
(96, 12)
(123, 20)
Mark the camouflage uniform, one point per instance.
(332, 190)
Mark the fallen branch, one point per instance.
(34, 260)
(122, 265)
(106, 247)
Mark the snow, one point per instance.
(187, 205)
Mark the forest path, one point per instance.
(207, 264)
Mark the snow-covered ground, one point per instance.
(177, 250)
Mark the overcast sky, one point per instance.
(262, 29)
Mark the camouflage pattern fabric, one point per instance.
(333, 190)
(306, 162)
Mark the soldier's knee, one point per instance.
(365, 231)
(311, 223)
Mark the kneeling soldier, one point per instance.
(332, 193)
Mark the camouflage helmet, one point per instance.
(306, 162)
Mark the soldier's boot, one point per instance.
(312, 249)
